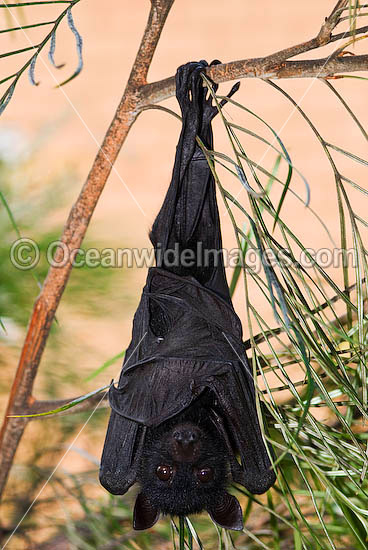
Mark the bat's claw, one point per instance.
(188, 83)
(233, 90)
(196, 99)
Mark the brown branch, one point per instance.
(137, 96)
(343, 35)
(259, 68)
(322, 38)
(74, 231)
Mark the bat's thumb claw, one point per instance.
(233, 90)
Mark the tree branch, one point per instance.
(322, 38)
(259, 68)
(343, 35)
(137, 97)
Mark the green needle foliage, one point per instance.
(320, 497)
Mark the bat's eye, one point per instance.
(205, 475)
(164, 472)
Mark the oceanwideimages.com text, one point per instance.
(25, 254)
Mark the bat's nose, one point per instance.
(186, 443)
(186, 436)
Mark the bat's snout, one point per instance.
(186, 436)
(186, 443)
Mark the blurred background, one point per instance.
(48, 139)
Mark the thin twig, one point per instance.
(344, 35)
(322, 38)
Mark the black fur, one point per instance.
(169, 497)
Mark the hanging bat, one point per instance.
(183, 423)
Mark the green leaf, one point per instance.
(63, 407)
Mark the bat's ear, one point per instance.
(145, 515)
(227, 513)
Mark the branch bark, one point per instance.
(261, 67)
(138, 95)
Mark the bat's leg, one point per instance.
(186, 233)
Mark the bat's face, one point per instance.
(181, 469)
(184, 470)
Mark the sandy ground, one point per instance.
(68, 124)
